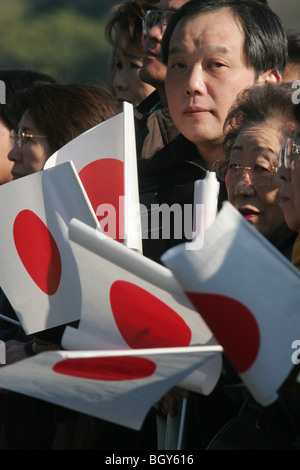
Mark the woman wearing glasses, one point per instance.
(53, 115)
(257, 125)
(289, 172)
(12, 80)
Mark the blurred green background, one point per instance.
(65, 38)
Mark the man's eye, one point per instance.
(215, 65)
(178, 66)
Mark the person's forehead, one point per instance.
(268, 131)
(129, 50)
(171, 4)
(215, 26)
(26, 120)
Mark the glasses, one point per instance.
(21, 137)
(258, 174)
(288, 153)
(153, 17)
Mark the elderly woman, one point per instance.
(256, 126)
(289, 172)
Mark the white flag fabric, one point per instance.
(249, 294)
(38, 274)
(105, 159)
(131, 302)
(206, 193)
(118, 386)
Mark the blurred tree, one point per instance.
(60, 41)
(65, 38)
(85, 7)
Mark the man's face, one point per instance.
(153, 70)
(206, 70)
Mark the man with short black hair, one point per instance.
(213, 49)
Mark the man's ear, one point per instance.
(270, 76)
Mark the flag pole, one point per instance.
(182, 422)
(10, 320)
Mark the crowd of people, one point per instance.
(211, 83)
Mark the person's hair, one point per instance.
(64, 111)
(259, 104)
(293, 47)
(15, 80)
(126, 22)
(265, 40)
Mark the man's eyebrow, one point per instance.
(210, 49)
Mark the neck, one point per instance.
(211, 154)
(162, 94)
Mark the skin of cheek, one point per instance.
(267, 202)
(5, 163)
(295, 211)
(274, 217)
(34, 156)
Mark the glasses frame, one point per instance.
(286, 159)
(17, 137)
(160, 17)
(223, 172)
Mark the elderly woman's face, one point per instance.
(290, 188)
(34, 150)
(255, 192)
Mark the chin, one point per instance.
(292, 220)
(294, 225)
(200, 135)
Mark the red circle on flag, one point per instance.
(107, 368)
(103, 181)
(233, 325)
(144, 320)
(38, 251)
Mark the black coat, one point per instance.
(168, 178)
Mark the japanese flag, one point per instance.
(38, 270)
(118, 386)
(131, 302)
(105, 159)
(249, 294)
